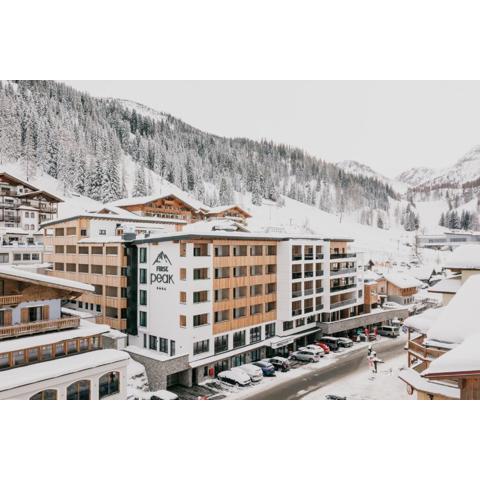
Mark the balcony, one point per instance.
(333, 256)
(319, 307)
(10, 299)
(319, 273)
(308, 292)
(342, 287)
(296, 293)
(308, 256)
(343, 303)
(309, 309)
(296, 312)
(308, 274)
(296, 275)
(296, 258)
(319, 290)
(342, 271)
(39, 327)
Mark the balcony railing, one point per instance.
(319, 307)
(319, 256)
(41, 326)
(342, 287)
(319, 273)
(319, 290)
(296, 312)
(342, 255)
(308, 256)
(296, 275)
(308, 292)
(308, 309)
(343, 303)
(342, 271)
(296, 293)
(308, 274)
(10, 299)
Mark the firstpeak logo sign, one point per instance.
(161, 276)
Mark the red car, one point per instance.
(323, 346)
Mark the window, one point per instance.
(256, 309)
(256, 250)
(238, 360)
(97, 250)
(223, 272)
(111, 291)
(143, 276)
(183, 321)
(270, 306)
(45, 395)
(222, 294)
(183, 249)
(183, 297)
(163, 345)
(239, 292)
(109, 384)
(35, 256)
(256, 355)
(26, 256)
(256, 270)
(221, 344)
(200, 297)
(83, 267)
(142, 255)
(17, 257)
(111, 270)
(111, 250)
(142, 316)
(143, 297)
(269, 330)
(59, 232)
(79, 390)
(183, 274)
(255, 334)
(271, 288)
(144, 340)
(71, 231)
(60, 267)
(222, 251)
(97, 269)
(59, 249)
(256, 290)
(172, 348)
(271, 250)
(71, 267)
(98, 289)
(239, 312)
(300, 322)
(201, 319)
(83, 250)
(240, 251)
(3, 257)
(239, 271)
(83, 233)
(221, 316)
(200, 250)
(287, 325)
(111, 312)
(239, 339)
(270, 269)
(71, 249)
(201, 347)
(200, 273)
(152, 342)
(102, 232)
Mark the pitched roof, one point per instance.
(224, 208)
(402, 280)
(41, 193)
(448, 285)
(17, 180)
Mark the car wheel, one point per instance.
(311, 360)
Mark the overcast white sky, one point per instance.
(389, 125)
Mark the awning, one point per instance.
(279, 342)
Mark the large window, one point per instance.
(255, 334)
(221, 344)
(109, 384)
(143, 297)
(270, 330)
(163, 344)
(142, 255)
(200, 347)
(143, 319)
(152, 342)
(143, 275)
(239, 339)
(201, 319)
(200, 297)
(45, 395)
(79, 390)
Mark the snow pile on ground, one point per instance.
(137, 381)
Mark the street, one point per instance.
(300, 387)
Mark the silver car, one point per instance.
(306, 356)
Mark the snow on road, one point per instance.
(365, 385)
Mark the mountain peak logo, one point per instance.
(162, 257)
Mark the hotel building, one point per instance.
(46, 354)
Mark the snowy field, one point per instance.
(365, 385)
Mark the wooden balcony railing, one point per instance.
(39, 327)
(10, 299)
(426, 353)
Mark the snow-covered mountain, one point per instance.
(415, 176)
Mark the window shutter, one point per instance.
(24, 315)
(7, 317)
(45, 312)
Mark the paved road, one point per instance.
(297, 388)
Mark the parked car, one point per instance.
(389, 331)
(345, 342)
(306, 356)
(163, 395)
(237, 377)
(391, 305)
(323, 346)
(280, 363)
(268, 369)
(314, 348)
(332, 343)
(254, 372)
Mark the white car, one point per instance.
(255, 373)
(306, 356)
(345, 342)
(390, 305)
(314, 348)
(237, 377)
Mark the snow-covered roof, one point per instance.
(421, 273)
(224, 208)
(464, 359)
(166, 192)
(466, 257)
(460, 318)
(153, 354)
(215, 225)
(424, 321)
(413, 378)
(371, 276)
(26, 207)
(449, 285)
(102, 239)
(10, 271)
(86, 329)
(402, 280)
(37, 372)
(43, 193)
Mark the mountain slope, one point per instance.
(415, 176)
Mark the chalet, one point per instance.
(46, 354)
(231, 212)
(443, 354)
(398, 287)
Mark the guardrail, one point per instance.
(39, 327)
(10, 299)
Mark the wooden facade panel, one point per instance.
(243, 322)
